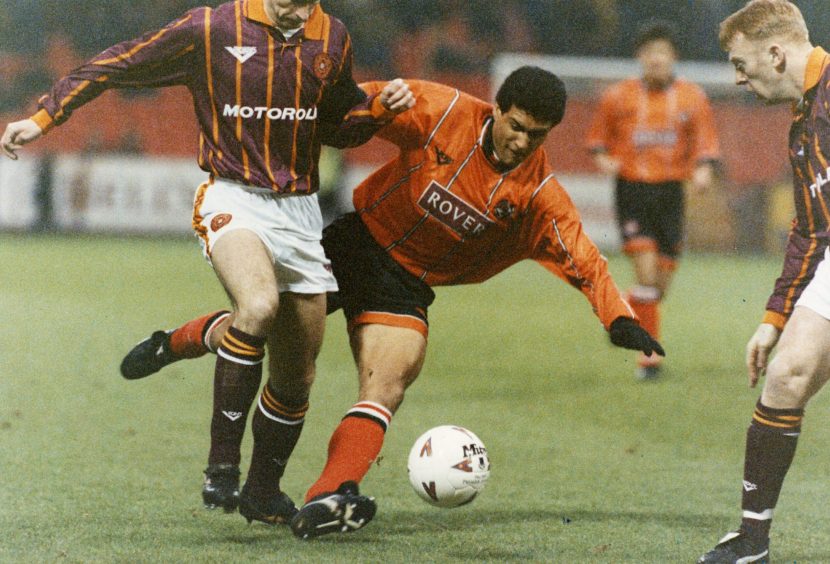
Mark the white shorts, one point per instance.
(290, 227)
(816, 295)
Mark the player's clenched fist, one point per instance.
(17, 134)
(396, 96)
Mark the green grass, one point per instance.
(588, 464)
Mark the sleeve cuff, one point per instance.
(378, 111)
(775, 319)
(43, 120)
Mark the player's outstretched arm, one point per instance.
(626, 333)
(17, 134)
(758, 348)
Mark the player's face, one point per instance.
(516, 134)
(657, 59)
(759, 68)
(291, 14)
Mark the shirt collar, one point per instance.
(313, 29)
(816, 64)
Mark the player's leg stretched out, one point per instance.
(388, 359)
(386, 310)
(205, 335)
(194, 339)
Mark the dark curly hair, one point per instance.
(536, 91)
(656, 30)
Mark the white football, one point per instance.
(448, 466)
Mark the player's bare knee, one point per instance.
(789, 381)
(259, 310)
(387, 391)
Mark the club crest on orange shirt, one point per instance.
(220, 221)
(322, 66)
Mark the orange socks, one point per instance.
(645, 301)
(192, 339)
(353, 447)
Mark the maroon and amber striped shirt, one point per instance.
(810, 159)
(264, 103)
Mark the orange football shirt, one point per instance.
(447, 215)
(657, 135)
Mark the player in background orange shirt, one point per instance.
(653, 134)
(470, 194)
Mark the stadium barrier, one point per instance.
(106, 194)
(150, 195)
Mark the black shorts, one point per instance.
(373, 288)
(651, 215)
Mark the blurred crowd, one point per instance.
(41, 39)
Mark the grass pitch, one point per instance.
(588, 464)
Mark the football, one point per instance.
(448, 466)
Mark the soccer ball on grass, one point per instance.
(448, 466)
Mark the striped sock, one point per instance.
(192, 339)
(235, 385)
(770, 447)
(277, 427)
(353, 447)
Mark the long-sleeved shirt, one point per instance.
(264, 103)
(810, 159)
(448, 215)
(658, 135)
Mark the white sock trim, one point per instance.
(212, 328)
(765, 515)
(374, 409)
(273, 417)
(227, 356)
(645, 293)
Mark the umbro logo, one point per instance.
(441, 157)
(749, 486)
(241, 54)
(504, 209)
(232, 415)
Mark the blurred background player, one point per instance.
(769, 45)
(653, 134)
(470, 194)
(261, 123)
